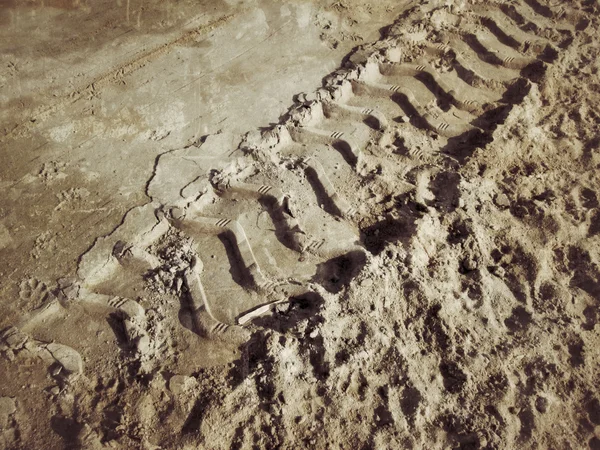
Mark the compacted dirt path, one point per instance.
(407, 257)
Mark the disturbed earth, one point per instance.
(320, 224)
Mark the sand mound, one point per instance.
(408, 259)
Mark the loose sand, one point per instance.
(300, 225)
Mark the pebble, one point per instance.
(69, 358)
(283, 308)
(16, 339)
(367, 282)
(469, 264)
(143, 344)
(498, 271)
(177, 213)
(541, 404)
(502, 200)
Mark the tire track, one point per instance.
(309, 174)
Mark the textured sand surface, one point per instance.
(300, 225)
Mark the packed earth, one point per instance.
(324, 224)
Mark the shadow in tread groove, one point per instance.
(539, 8)
(237, 270)
(445, 100)
(502, 37)
(483, 53)
(320, 192)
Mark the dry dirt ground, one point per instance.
(299, 224)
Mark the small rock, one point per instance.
(311, 97)
(367, 282)
(143, 344)
(71, 292)
(498, 271)
(469, 264)
(282, 308)
(55, 371)
(177, 213)
(502, 201)
(133, 309)
(69, 287)
(393, 54)
(14, 338)
(541, 404)
(32, 346)
(70, 359)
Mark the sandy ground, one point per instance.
(299, 224)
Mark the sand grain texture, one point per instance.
(405, 257)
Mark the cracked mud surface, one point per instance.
(301, 225)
